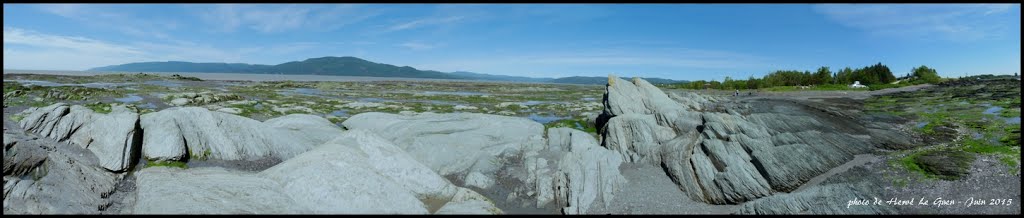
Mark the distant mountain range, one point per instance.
(344, 66)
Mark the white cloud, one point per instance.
(280, 18)
(101, 16)
(417, 46)
(422, 22)
(17, 36)
(948, 21)
(27, 49)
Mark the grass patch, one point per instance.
(99, 107)
(205, 155)
(1010, 112)
(822, 87)
(946, 164)
(1011, 136)
(577, 123)
(981, 147)
(177, 164)
(188, 78)
(17, 117)
(887, 86)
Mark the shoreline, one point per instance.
(263, 77)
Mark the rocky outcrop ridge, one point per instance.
(720, 153)
(457, 143)
(113, 137)
(357, 172)
(192, 132)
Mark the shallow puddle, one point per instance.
(545, 118)
(129, 99)
(459, 93)
(340, 113)
(301, 91)
(532, 103)
(992, 110)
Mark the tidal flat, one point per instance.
(267, 97)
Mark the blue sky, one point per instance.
(677, 41)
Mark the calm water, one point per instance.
(340, 113)
(992, 110)
(129, 99)
(459, 93)
(49, 84)
(301, 91)
(532, 103)
(545, 118)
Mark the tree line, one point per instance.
(877, 74)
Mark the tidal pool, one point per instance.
(545, 118)
(131, 98)
(992, 110)
(340, 113)
(301, 91)
(459, 93)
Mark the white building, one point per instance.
(856, 84)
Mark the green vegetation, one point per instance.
(876, 76)
(926, 75)
(936, 163)
(575, 123)
(203, 156)
(177, 164)
(17, 117)
(954, 123)
(188, 78)
(99, 107)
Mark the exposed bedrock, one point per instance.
(191, 132)
(720, 152)
(113, 137)
(358, 172)
(455, 144)
(42, 176)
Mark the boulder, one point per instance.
(637, 137)
(180, 101)
(586, 174)
(467, 201)
(42, 177)
(479, 180)
(180, 132)
(358, 172)
(209, 190)
(113, 137)
(457, 143)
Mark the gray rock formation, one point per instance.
(819, 200)
(358, 172)
(731, 157)
(209, 190)
(113, 137)
(192, 132)
(45, 177)
(457, 143)
(586, 173)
